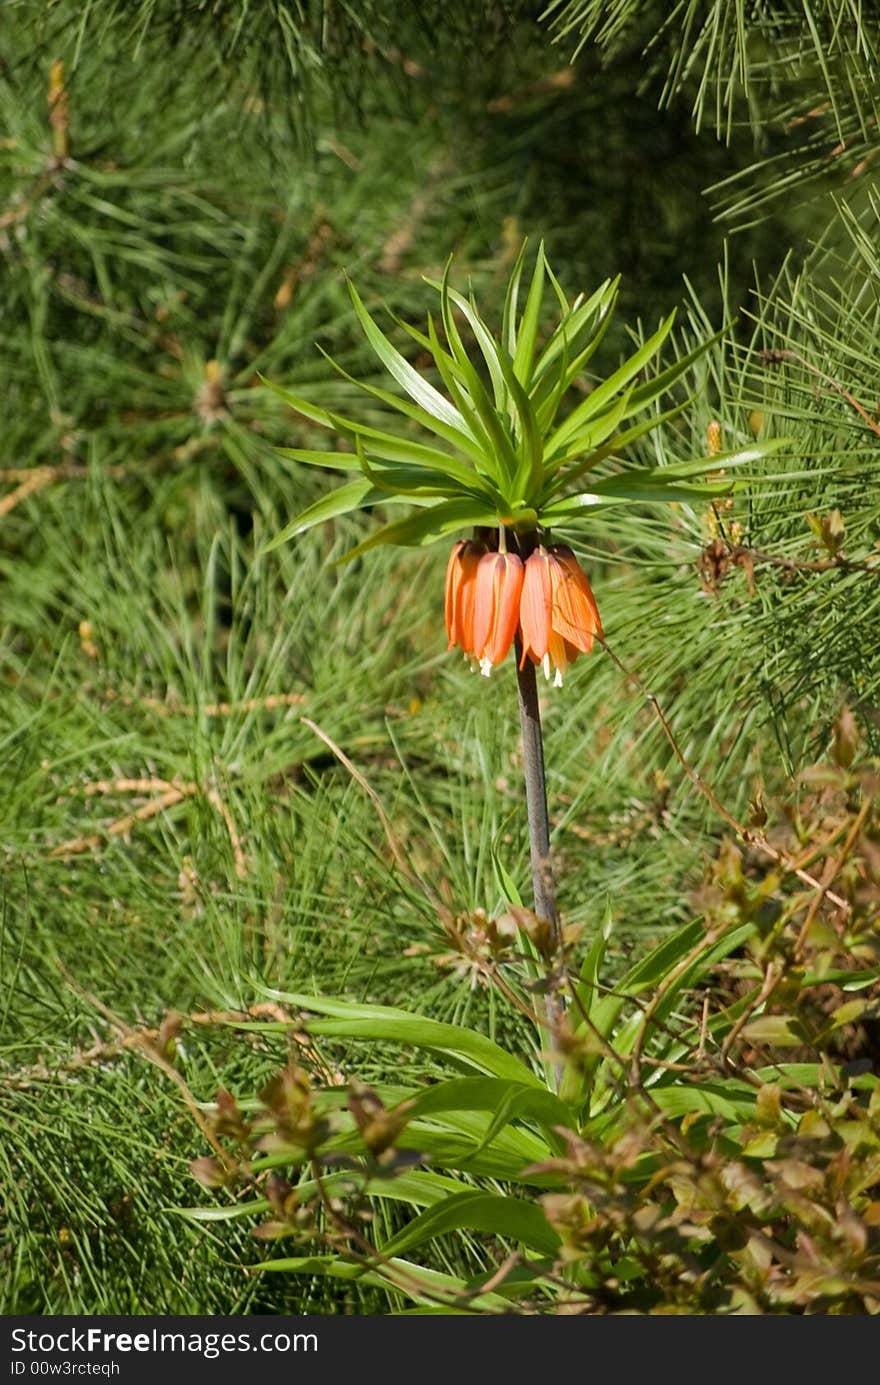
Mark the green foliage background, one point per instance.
(185, 226)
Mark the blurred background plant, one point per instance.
(180, 191)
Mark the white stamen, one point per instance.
(485, 667)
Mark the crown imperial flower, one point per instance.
(491, 597)
(461, 575)
(558, 613)
(496, 607)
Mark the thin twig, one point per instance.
(774, 356)
(36, 479)
(270, 703)
(660, 992)
(771, 980)
(739, 551)
(164, 794)
(832, 870)
(138, 1039)
(747, 834)
(390, 836)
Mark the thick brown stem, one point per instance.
(539, 821)
(536, 793)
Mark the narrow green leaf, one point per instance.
(414, 1281)
(508, 1101)
(424, 481)
(593, 433)
(432, 523)
(569, 330)
(462, 440)
(527, 335)
(724, 461)
(392, 447)
(489, 349)
(466, 1044)
(310, 456)
(506, 883)
(624, 491)
(418, 1187)
(494, 435)
(601, 397)
(492, 1214)
(419, 390)
(509, 315)
(657, 386)
(352, 496)
(611, 447)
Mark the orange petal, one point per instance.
(575, 615)
(461, 573)
(496, 606)
(453, 570)
(534, 607)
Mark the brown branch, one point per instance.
(772, 977)
(143, 1043)
(775, 356)
(23, 1078)
(270, 703)
(740, 552)
(832, 870)
(748, 835)
(390, 836)
(164, 794)
(222, 808)
(34, 480)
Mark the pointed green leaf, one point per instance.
(352, 496)
(337, 461)
(653, 389)
(432, 523)
(601, 397)
(381, 443)
(461, 440)
(493, 433)
(419, 390)
(569, 330)
(527, 335)
(507, 1101)
(492, 1214)
(488, 347)
(509, 317)
(591, 435)
(385, 1021)
(610, 448)
(629, 488)
(724, 461)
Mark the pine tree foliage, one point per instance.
(182, 189)
(803, 73)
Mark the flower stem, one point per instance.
(539, 821)
(536, 793)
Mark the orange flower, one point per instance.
(461, 575)
(496, 607)
(558, 612)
